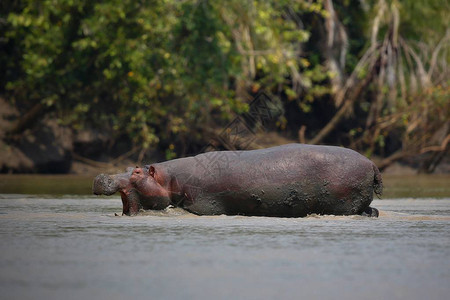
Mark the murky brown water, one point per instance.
(72, 247)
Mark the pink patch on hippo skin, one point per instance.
(151, 171)
(136, 175)
(159, 175)
(151, 193)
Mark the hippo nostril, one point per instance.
(97, 187)
(104, 185)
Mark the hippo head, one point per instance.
(138, 187)
(109, 184)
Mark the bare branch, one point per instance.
(436, 50)
(439, 148)
(376, 22)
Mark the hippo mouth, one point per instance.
(125, 204)
(130, 202)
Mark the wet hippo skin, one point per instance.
(285, 181)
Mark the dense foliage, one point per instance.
(355, 73)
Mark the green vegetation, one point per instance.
(358, 73)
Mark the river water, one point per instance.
(71, 247)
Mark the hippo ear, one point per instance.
(151, 171)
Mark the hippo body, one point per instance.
(286, 181)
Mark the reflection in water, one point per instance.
(74, 247)
(46, 184)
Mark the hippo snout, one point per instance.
(104, 185)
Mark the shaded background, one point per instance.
(89, 85)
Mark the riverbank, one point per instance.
(395, 186)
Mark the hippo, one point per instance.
(292, 180)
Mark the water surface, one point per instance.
(72, 247)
